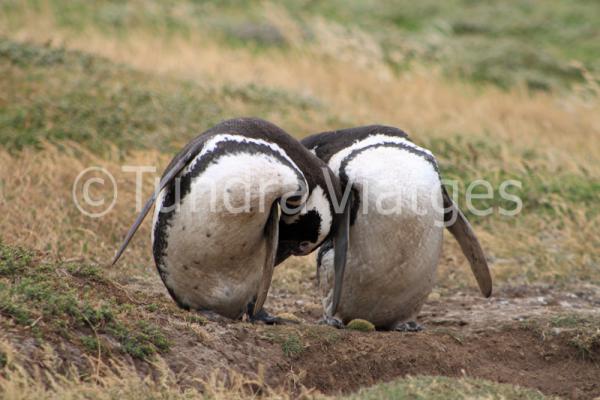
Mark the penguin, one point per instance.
(237, 200)
(398, 210)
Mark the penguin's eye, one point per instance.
(293, 201)
(304, 246)
(291, 205)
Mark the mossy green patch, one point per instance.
(361, 325)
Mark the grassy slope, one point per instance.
(168, 71)
(54, 95)
(517, 41)
(68, 321)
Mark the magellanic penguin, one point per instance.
(398, 212)
(237, 200)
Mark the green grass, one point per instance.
(13, 261)
(56, 299)
(54, 95)
(290, 341)
(292, 345)
(294, 342)
(500, 42)
(442, 388)
(140, 341)
(544, 191)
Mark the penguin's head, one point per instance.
(303, 230)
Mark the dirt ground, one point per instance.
(528, 336)
(502, 339)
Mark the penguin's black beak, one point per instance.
(287, 248)
(284, 250)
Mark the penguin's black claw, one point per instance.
(331, 321)
(268, 319)
(410, 326)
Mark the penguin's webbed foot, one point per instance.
(268, 319)
(331, 321)
(409, 326)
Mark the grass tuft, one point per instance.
(290, 341)
(292, 345)
(140, 341)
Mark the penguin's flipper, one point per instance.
(174, 168)
(340, 250)
(463, 233)
(272, 237)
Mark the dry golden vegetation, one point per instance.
(127, 84)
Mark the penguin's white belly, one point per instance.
(395, 242)
(208, 268)
(215, 248)
(389, 275)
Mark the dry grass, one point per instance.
(39, 211)
(45, 381)
(419, 101)
(119, 381)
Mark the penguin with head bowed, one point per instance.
(237, 200)
(398, 210)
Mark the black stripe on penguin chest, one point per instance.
(177, 191)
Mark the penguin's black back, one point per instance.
(256, 128)
(326, 144)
